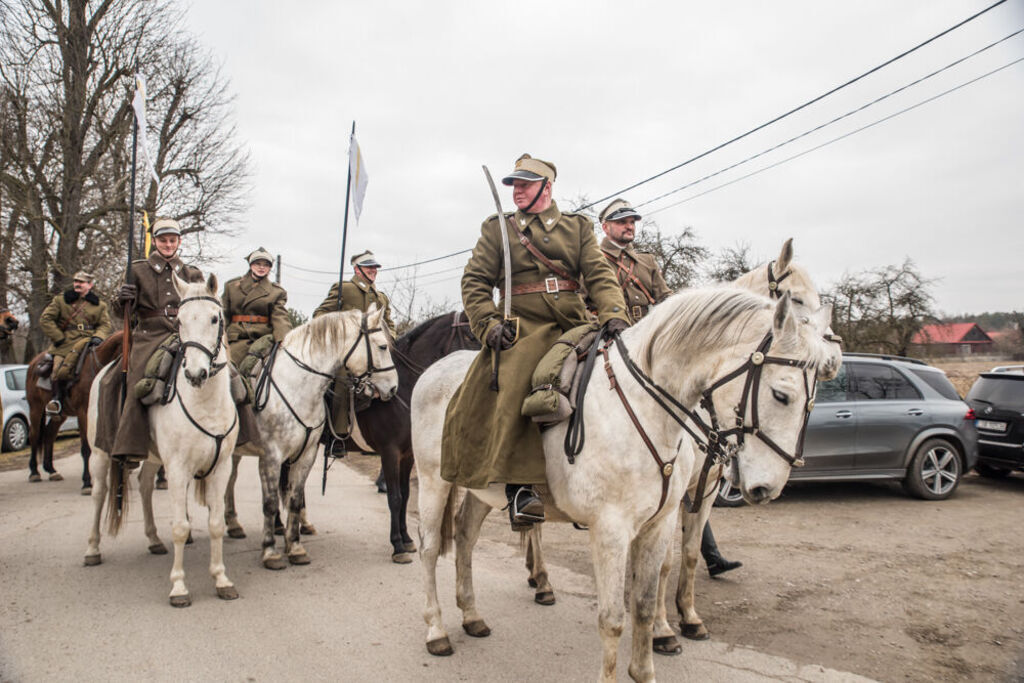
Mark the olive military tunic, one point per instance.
(70, 321)
(125, 431)
(640, 277)
(486, 438)
(253, 308)
(356, 294)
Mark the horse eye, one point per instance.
(382, 347)
(780, 397)
(797, 301)
(213, 320)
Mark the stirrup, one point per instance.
(530, 511)
(53, 407)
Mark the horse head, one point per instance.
(373, 368)
(201, 329)
(775, 399)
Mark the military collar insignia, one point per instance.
(548, 218)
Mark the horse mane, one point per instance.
(405, 342)
(318, 335)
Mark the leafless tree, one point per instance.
(66, 74)
(730, 263)
(680, 256)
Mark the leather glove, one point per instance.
(11, 323)
(502, 337)
(127, 294)
(614, 326)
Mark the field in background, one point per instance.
(962, 373)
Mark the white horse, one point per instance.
(192, 436)
(291, 413)
(629, 494)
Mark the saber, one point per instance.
(507, 299)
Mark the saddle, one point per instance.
(558, 377)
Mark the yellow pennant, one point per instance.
(149, 237)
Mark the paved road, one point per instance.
(351, 615)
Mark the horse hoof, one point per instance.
(276, 562)
(236, 532)
(34, 478)
(307, 530)
(158, 549)
(92, 560)
(667, 645)
(544, 598)
(181, 600)
(300, 558)
(409, 546)
(401, 558)
(161, 485)
(86, 490)
(477, 629)
(531, 582)
(441, 647)
(56, 476)
(694, 631)
(227, 593)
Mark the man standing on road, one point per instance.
(643, 286)
(74, 319)
(486, 438)
(358, 293)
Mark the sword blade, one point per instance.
(504, 245)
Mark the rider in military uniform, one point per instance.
(358, 293)
(151, 297)
(72, 320)
(486, 438)
(643, 285)
(254, 306)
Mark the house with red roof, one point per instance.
(953, 338)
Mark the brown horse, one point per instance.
(43, 430)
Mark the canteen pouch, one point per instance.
(254, 357)
(549, 400)
(45, 366)
(150, 388)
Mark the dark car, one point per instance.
(887, 418)
(998, 400)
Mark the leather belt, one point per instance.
(550, 285)
(250, 319)
(166, 312)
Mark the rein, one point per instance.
(266, 376)
(215, 367)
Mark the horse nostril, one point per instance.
(760, 494)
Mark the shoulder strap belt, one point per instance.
(525, 241)
(629, 275)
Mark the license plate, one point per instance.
(992, 425)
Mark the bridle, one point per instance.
(773, 282)
(363, 381)
(719, 445)
(215, 367)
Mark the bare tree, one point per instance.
(730, 263)
(66, 75)
(681, 256)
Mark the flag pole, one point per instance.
(344, 229)
(126, 317)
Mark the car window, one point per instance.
(834, 389)
(1005, 393)
(15, 379)
(880, 383)
(939, 382)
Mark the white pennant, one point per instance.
(139, 105)
(360, 179)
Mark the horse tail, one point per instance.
(448, 522)
(200, 491)
(117, 499)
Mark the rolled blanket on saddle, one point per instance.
(556, 380)
(157, 386)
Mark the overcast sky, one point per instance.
(613, 93)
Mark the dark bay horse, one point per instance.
(43, 430)
(386, 426)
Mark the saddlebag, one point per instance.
(153, 385)
(252, 365)
(553, 396)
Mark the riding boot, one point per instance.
(247, 442)
(712, 557)
(525, 508)
(56, 404)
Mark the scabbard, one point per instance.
(494, 373)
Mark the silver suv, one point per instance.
(887, 417)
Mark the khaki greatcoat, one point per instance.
(356, 294)
(486, 438)
(70, 321)
(643, 266)
(248, 297)
(125, 431)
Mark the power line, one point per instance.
(388, 268)
(841, 137)
(829, 123)
(796, 109)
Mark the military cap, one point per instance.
(260, 254)
(166, 226)
(531, 170)
(82, 276)
(365, 260)
(619, 210)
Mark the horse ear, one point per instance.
(211, 284)
(179, 285)
(785, 257)
(823, 317)
(784, 322)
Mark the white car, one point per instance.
(15, 407)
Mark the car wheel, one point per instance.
(728, 495)
(15, 434)
(990, 471)
(934, 471)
